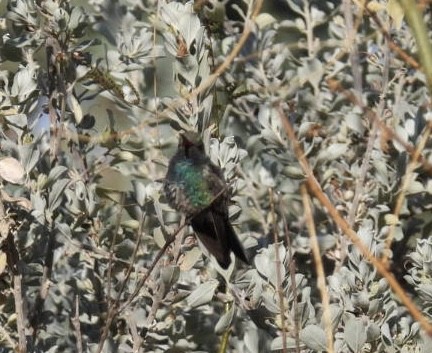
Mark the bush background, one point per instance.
(320, 117)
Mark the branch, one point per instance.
(77, 325)
(315, 189)
(321, 282)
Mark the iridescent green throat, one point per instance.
(194, 183)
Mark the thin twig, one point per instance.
(351, 31)
(4, 334)
(113, 243)
(157, 298)
(225, 337)
(161, 290)
(90, 250)
(416, 21)
(12, 259)
(134, 255)
(309, 28)
(45, 282)
(321, 283)
(369, 149)
(204, 85)
(5, 226)
(151, 268)
(77, 326)
(406, 182)
(112, 305)
(316, 190)
(136, 338)
(292, 268)
(112, 312)
(178, 243)
(351, 43)
(19, 307)
(394, 47)
(358, 192)
(155, 72)
(278, 265)
(115, 308)
(209, 81)
(336, 86)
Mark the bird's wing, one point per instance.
(210, 229)
(217, 186)
(212, 223)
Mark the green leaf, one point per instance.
(56, 194)
(55, 174)
(314, 337)
(190, 258)
(225, 321)
(203, 294)
(75, 107)
(24, 83)
(277, 344)
(11, 170)
(355, 334)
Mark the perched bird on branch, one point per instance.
(195, 186)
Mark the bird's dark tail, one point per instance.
(235, 245)
(210, 229)
(218, 236)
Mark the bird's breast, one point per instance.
(194, 192)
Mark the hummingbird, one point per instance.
(196, 187)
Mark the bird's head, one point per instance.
(191, 141)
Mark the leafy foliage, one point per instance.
(92, 95)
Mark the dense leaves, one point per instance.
(92, 97)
